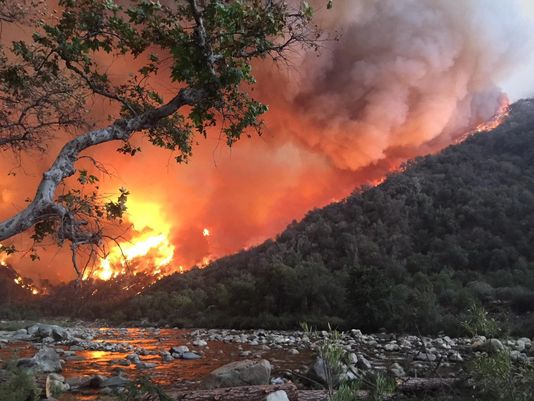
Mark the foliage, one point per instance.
(498, 378)
(479, 323)
(381, 386)
(19, 386)
(335, 359)
(204, 50)
(332, 355)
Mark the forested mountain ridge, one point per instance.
(412, 253)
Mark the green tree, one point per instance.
(47, 82)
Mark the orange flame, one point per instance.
(149, 250)
(498, 118)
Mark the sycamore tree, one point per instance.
(48, 81)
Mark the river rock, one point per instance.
(241, 373)
(190, 356)
(493, 346)
(199, 343)
(397, 370)
(363, 363)
(179, 350)
(279, 395)
(425, 356)
(46, 361)
(55, 385)
(41, 330)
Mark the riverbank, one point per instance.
(95, 361)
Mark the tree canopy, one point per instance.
(48, 80)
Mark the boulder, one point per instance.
(493, 346)
(46, 361)
(55, 385)
(391, 347)
(242, 373)
(41, 330)
(179, 350)
(319, 372)
(397, 370)
(79, 382)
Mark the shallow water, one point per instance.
(177, 374)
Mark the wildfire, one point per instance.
(21, 282)
(499, 117)
(149, 251)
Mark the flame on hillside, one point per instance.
(27, 284)
(498, 118)
(149, 251)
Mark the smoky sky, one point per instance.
(402, 79)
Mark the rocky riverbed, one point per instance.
(90, 362)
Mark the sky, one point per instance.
(520, 84)
(407, 78)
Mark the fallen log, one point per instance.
(244, 393)
(313, 395)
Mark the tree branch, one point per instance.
(44, 205)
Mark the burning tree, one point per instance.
(47, 82)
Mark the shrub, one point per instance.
(497, 378)
(478, 322)
(19, 386)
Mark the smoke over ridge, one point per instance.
(404, 79)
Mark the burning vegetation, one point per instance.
(7, 272)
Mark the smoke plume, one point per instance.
(404, 78)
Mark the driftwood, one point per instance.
(313, 395)
(244, 393)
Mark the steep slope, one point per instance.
(412, 252)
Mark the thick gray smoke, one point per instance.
(405, 74)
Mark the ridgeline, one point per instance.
(412, 254)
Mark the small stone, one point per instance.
(279, 395)
(189, 356)
(455, 357)
(391, 347)
(363, 363)
(294, 351)
(397, 370)
(425, 356)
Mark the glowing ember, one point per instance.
(206, 232)
(21, 282)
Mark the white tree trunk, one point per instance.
(43, 205)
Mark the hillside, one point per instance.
(416, 250)
(412, 253)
